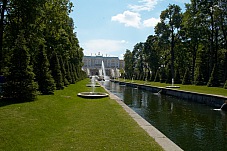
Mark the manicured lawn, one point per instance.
(66, 122)
(193, 88)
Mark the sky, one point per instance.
(109, 27)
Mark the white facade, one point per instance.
(96, 62)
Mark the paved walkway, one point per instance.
(160, 138)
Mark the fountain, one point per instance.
(112, 73)
(93, 83)
(117, 73)
(104, 72)
(173, 86)
(224, 107)
(92, 94)
(88, 71)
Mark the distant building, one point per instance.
(93, 64)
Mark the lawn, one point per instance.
(192, 88)
(66, 122)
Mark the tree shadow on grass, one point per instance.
(9, 101)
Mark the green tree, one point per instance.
(157, 76)
(72, 73)
(163, 76)
(214, 81)
(128, 59)
(151, 55)
(225, 85)
(66, 82)
(186, 79)
(169, 74)
(198, 80)
(20, 84)
(139, 60)
(68, 72)
(171, 19)
(56, 71)
(177, 76)
(43, 74)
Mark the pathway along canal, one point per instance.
(192, 126)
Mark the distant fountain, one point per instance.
(103, 69)
(93, 83)
(172, 86)
(88, 72)
(100, 72)
(92, 94)
(117, 73)
(104, 72)
(112, 73)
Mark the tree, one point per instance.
(171, 19)
(177, 77)
(43, 74)
(128, 59)
(198, 80)
(139, 60)
(225, 85)
(186, 79)
(169, 74)
(72, 73)
(151, 55)
(214, 81)
(163, 76)
(68, 73)
(66, 82)
(157, 76)
(20, 85)
(56, 71)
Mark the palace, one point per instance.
(93, 64)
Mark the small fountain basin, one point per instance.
(92, 94)
(92, 85)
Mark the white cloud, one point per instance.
(104, 47)
(128, 18)
(144, 5)
(152, 22)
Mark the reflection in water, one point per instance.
(190, 125)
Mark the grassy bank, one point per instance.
(193, 88)
(66, 122)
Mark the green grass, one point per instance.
(66, 122)
(192, 88)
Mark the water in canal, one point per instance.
(192, 126)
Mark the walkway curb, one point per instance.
(160, 138)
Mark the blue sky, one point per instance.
(112, 26)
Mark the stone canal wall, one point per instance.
(208, 99)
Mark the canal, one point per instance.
(192, 126)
